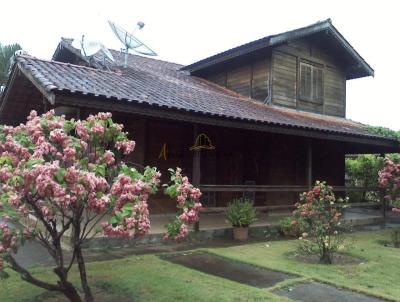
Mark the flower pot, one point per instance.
(240, 233)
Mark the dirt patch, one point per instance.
(317, 292)
(338, 259)
(228, 269)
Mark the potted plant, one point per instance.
(240, 214)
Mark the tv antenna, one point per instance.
(130, 41)
(89, 48)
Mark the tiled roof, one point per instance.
(163, 84)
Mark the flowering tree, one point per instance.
(389, 179)
(65, 177)
(321, 221)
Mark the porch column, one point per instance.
(196, 170)
(309, 165)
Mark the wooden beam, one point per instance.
(196, 177)
(289, 188)
(251, 188)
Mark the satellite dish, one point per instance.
(90, 48)
(130, 41)
(11, 61)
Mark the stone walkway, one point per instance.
(264, 278)
(317, 292)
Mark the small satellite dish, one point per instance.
(90, 48)
(11, 61)
(20, 52)
(130, 41)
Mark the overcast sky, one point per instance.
(186, 31)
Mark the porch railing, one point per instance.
(295, 189)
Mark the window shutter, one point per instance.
(305, 82)
(318, 92)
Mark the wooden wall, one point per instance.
(275, 75)
(285, 78)
(250, 78)
(240, 157)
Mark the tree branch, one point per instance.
(26, 276)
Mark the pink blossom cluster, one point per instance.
(8, 240)
(188, 198)
(125, 146)
(183, 232)
(389, 178)
(136, 192)
(109, 158)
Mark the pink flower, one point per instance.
(109, 157)
(104, 115)
(69, 154)
(97, 129)
(81, 130)
(57, 136)
(126, 146)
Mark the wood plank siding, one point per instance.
(286, 78)
(276, 77)
(250, 79)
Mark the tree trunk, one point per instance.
(70, 292)
(326, 256)
(82, 272)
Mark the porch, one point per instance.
(213, 218)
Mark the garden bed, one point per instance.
(232, 270)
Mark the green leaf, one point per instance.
(100, 169)
(128, 206)
(113, 221)
(69, 125)
(32, 162)
(60, 175)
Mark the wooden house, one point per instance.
(263, 120)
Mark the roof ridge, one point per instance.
(65, 64)
(329, 21)
(148, 58)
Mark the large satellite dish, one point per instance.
(89, 48)
(130, 41)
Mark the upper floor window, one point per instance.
(311, 83)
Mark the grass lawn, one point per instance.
(149, 278)
(145, 278)
(378, 273)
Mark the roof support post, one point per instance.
(309, 164)
(196, 175)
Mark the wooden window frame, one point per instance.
(313, 66)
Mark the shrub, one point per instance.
(241, 213)
(322, 220)
(287, 228)
(363, 171)
(389, 179)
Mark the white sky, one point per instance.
(186, 31)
